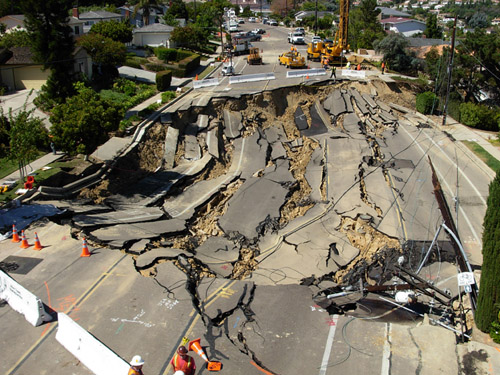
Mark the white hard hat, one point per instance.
(179, 372)
(137, 361)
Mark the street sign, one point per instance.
(466, 278)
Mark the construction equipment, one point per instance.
(331, 53)
(241, 48)
(292, 59)
(254, 58)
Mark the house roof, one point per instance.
(98, 14)
(154, 28)
(20, 55)
(13, 20)
(392, 12)
(399, 20)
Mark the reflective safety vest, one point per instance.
(187, 365)
(134, 372)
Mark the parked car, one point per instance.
(316, 39)
(241, 20)
(265, 20)
(300, 30)
(258, 31)
(296, 38)
(272, 23)
(252, 20)
(227, 70)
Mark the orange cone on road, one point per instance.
(24, 242)
(38, 245)
(196, 347)
(15, 236)
(196, 79)
(85, 249)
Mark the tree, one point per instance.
(189, 36)
(52, 44)
(145, 6)
(17, 38)
(396, 54)
(104, 51)
(115, 30)
(478, 20)
(489, 287)
(364, 26)
(177, 9)
(82, 123)
(211, 16)
(432, 30)
(27, 135)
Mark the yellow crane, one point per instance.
(333, 52)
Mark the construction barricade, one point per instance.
(205, 83)
(305, 73)
(251, 78)
(22, 300)
(96, 356)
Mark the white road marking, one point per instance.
(328, 346)
(386, 353)
(442, 179)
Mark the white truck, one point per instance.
(296, 38)
(242, 48)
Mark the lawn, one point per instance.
(40, 175)
(484, 155)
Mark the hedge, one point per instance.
(163, 80)
(166, 54)
(190, 63)
(155, 67)
(426, 102)
(479, 116)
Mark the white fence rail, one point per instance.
(251, 78)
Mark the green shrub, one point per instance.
(479, 116)
(163, 80)
(132, 63)
(148, 110)
(167, 96)
(190, 63)
(181, 54)
(426, 101)
(166, 54)
(155, 67)
(495, 332)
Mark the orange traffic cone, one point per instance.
(38, 245)
(307, 76)
(24, 242)
(85, 249)
(196, 79)
(15, 236)
(196, 347)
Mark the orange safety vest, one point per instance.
(187, 368)
(134, 372)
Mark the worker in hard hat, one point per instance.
(182, 362)
(136, 365)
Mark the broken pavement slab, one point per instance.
(218, 251)
(256, 200)
(129, 216)
(152, 257)
(118, 235)
(232, 124)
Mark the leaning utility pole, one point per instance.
(316, 22)
(450, 68)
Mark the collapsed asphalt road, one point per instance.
(298, 193)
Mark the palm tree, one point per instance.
(146, 6)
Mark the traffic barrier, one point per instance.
(15, 236)
(205, 83)
(24, 242)
(22, 300)
(96, 356)
(305, 73)
(38, 245)
(251, 78)
(85, 249)
(353, 73)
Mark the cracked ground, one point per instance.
(294, 192)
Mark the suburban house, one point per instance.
(18, 71)
(13, 22)
(391, 13)
(405, 26)
(299, 16)
(95, 16)
(137, 18)
(153, 35)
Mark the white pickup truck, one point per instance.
(296, 38)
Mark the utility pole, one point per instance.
(316, 22)
(450, 69)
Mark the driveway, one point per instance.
(17, 100)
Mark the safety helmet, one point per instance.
(179, 372)
(182, 350)
(137, 361)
